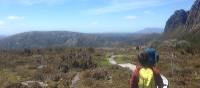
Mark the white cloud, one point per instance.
(130, 17)
(31, 2)
(49, 2)
(2, 22)
(149, 12)
(119, 5)
(14, 17)
(126, 5)
(95, 23)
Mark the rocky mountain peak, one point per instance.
(176, 21)
(193, 21)
(184, 21)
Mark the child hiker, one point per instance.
(146, 75)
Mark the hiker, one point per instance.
(138, 48)
(146, 75)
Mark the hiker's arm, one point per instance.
(134, 80)
(159, 80)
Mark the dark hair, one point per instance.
(144, 59)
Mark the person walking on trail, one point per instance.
(138, 48)
(146, 75)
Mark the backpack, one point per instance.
(146, 78)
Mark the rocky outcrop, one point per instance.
(33, 84)
(176, 21)
(193, 21)
(184, 21)
(28, 84)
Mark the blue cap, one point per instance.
(152, 55)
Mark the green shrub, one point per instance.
(97, 74)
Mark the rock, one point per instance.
(193, 21)
(184, 22)
(41, 66)
(28, 84)
(176, 21)
(16, 85)
(34, 84)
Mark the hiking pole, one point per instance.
(172, 63)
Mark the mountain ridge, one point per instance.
(150, 30)
(46, 39)
(2, 36)
(184, 22)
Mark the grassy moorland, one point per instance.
(58, 67)
(55, 67)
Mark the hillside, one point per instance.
(39, 39)
(1, 36)
(184, 22)
(150, 30)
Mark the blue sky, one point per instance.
(89, 16)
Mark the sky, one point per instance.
(88, 16)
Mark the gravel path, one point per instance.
(75, 80)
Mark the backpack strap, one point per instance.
(157, 77)
(135, 77)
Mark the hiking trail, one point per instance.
(75, 81)
(132, 67)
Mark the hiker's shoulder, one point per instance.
(156, 70)
(138, 67)
(136, 70)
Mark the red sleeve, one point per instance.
(134, 78)
(158, 78)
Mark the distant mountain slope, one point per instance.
(39, 39)
(151, 30)
(1, 36)
(184, 22)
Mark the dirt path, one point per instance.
(75, 81)
(132, 67)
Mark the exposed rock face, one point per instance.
(176, 21)
(193, 21)
(28, 84)
(184, 21)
